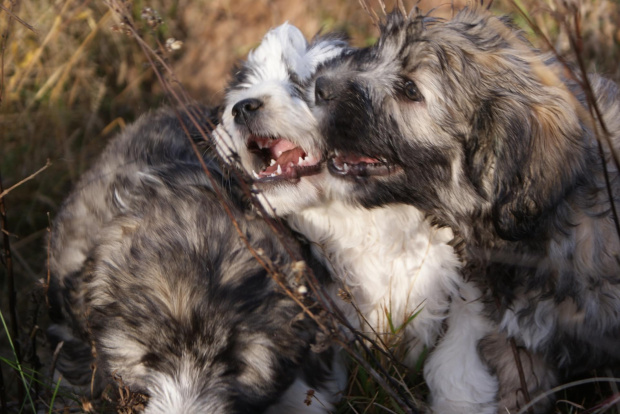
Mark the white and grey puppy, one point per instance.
(466, 121)
(267, 127)
(399, 270)
(152, 282)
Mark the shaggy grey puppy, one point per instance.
(466, 121)
(152, 282)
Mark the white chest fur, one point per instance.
(392, 262)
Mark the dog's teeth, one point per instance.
(255, 175)
(345, 167)
(336, 153)
(279, 170)
(272, 162)
(300, 160)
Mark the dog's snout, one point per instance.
(324, 89)
(244, 109)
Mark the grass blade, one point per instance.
(54, 395)
(19, 367)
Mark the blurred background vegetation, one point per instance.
(71, 79)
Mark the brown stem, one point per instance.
(524, 389)
(55, 359)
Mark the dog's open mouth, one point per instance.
(283, 160)
(354, 165)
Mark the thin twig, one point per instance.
(613, 385)
(383, 8)
(524, 387)
(30, 177)
(566, 386)
(401, 7)
(32, 356)
(55, 359)
(517, 359)
(373, 16)
(23, 23)
(48, 250)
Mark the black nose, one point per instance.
(324, 89)
(245, 109)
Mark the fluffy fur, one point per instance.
(152, 283)
(273, 78)
(390, 261)
(464, 120)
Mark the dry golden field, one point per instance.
(71, 78)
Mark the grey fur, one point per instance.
(150, 274)
(466, 121)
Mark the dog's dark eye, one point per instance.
(412, 92)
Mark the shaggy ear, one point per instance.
(539, 154)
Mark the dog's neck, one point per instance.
(368, 251)
(344, 234)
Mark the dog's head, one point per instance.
(267, 127)
(461, 118)
(181, 310)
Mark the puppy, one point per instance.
(267, 127)
(401, 275)
(464, 120)
(153, 283)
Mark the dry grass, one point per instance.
(71, 79)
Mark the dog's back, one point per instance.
(152, 141)
(155, 278)
(155, 141)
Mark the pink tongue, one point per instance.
(281, 146)
(288, 156)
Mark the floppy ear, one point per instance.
(539, 154)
